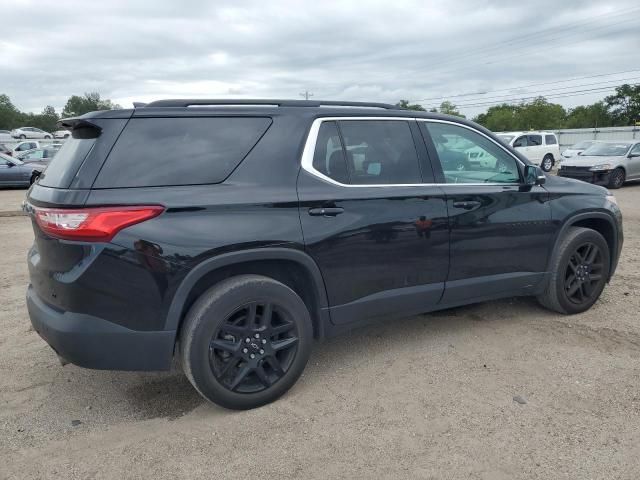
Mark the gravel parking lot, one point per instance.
(427, 397)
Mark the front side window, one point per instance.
(521, 141)
(534, 140)
(635, 150)
(469, 157)
(380, 152)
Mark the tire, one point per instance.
(23, 137)
(47, 137)
(240, 366)
(66, 135)
(567, 271)
(617, 178)
(34, 177)
(547, 163)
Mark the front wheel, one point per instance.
(23, 137)
(579, 272)
(547, 163)
(47, 137)
(246, 341)
(617, 178)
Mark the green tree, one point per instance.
(539, 114)
(625, 104)
(500, 118)
(448, 108)
(589, 116)
(90, 102)
(407, 105)
(10, 116)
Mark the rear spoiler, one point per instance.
(80, 127)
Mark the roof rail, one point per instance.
(278, 103)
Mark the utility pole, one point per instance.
(306, 94)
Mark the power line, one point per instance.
(613, 83)
(528, 86)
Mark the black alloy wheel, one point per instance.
(617, 178)
(253, 348)
(584, 274)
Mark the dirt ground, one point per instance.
(427, 397)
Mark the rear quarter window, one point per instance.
(153, 152)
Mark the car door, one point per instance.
(535, 148)
(500, 230)
(521, 144)
(633, 162)
(372, 219)
(12, 173)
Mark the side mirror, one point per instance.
(579, 153)
(533, 175)
(9, 164)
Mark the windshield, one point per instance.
(581, 145)
(506, 138)
(607, 150)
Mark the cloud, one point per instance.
(375, 50)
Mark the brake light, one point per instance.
(92, 224)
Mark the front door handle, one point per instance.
(467, 205)
(325, 211)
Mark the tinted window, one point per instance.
(469, 157)
(521, 141)
(550, 140)
(328, 158)
(380, 152)
(180, 151)
(534, 140)
(73, 152)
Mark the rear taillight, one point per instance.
(91, 224)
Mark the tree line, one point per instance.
(620, 109)
(11, 117)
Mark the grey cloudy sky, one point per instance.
(346, 50)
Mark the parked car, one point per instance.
(25, 146)
(61, 134)
(29, 132)
(5, 135)
(38, 155)
(605, 163)
(292, 220)
(6, 150)
(16, 173)
(577, 148)
(541, 148)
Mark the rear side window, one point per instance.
(534, 140)
(328, 158)
(380, 152)
(550, 139)
(69, 157)
(154, 152)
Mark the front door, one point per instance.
(633, 163)
(378, 233)
(501, 231)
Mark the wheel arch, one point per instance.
(292, 267)
(602, 223)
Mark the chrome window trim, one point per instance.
(312, 138)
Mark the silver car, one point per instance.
(29, 132)
(609, 164)
(578, 148)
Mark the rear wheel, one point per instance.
(47, 137)
(547, 163)
(246, 341)
(579, 272)
(23, 137)
(617, 178)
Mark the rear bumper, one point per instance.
(93, 342)
(597, 178)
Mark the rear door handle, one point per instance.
(325, 211)
(467, 205)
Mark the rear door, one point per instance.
(371, 217)
(633, 163)
(535, 148)
(500, 230)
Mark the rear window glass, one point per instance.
(550, 139)
(155, 152)
(66, 162)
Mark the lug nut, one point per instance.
(264, 341)
(252, 356)
(257, 335)
(261, 352)
(247, 340)
(244, 350)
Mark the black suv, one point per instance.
(229, 234)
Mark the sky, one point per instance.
(472, 52)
